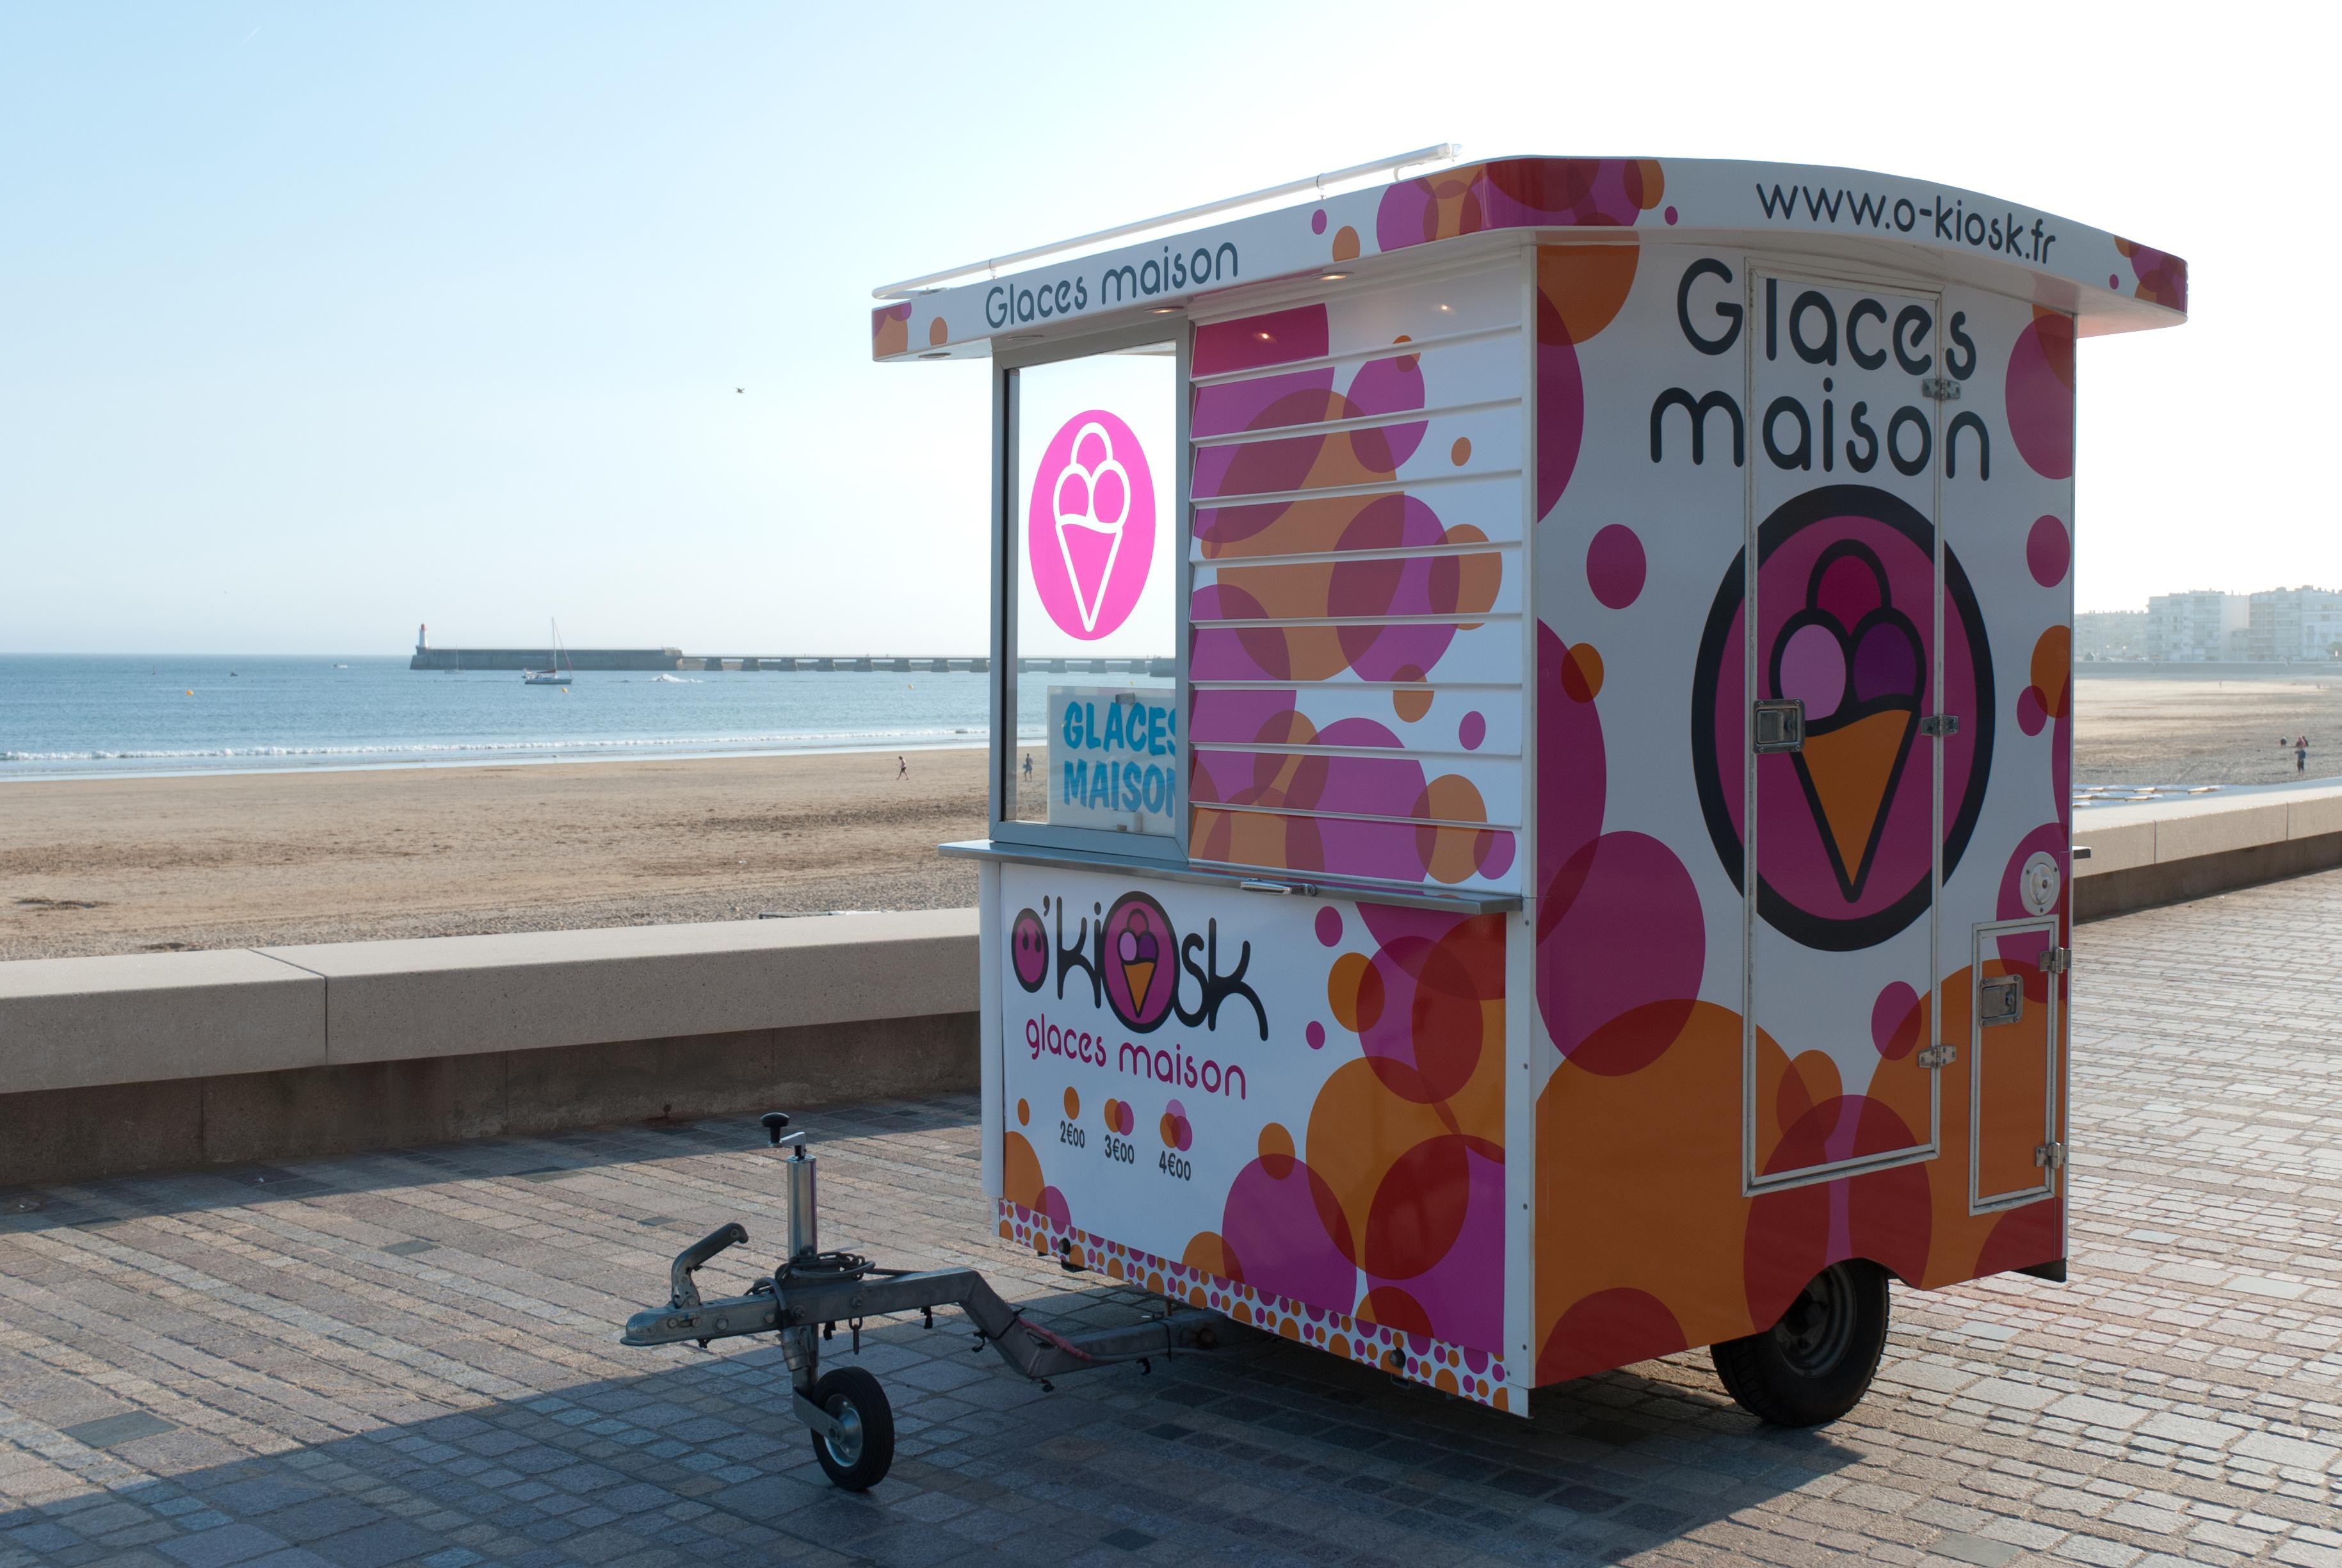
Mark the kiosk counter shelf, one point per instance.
(1532, 718)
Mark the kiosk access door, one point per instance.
(1843, 683)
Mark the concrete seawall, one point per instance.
(2167, 852)
(163, 1061)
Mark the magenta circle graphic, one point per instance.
(2030, 716)
(1315, 1035)
(2039, 395)
(1615, 566)
(1028, 950)
(1329, 925)
(1089, 526)
(1317, 222)
(1141, 960)
(2048, 552)
(1472, 730)
(1887, 1015)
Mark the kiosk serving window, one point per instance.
(1090, 666)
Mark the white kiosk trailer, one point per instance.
(1532, 718)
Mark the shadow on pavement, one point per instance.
(1261, 1452)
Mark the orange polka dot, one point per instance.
(1581, 672)
(1410, 703)
(1073, 1102)
(1023, 1114)
(1461, 452)
(938, 332)
(1277, 1151)
(1346, 244)
(1346, 991)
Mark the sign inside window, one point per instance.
(1113, 757)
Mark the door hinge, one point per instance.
(1941, 388)
(1938, 1056)
(2050, 1157)
(1940, 724)
(2056, 960)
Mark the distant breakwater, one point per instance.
(676, 659)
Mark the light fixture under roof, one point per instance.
(1331, 276)
(1445, 151)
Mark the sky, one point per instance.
(318, 322)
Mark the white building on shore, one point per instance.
(2199, 627)
(2294, 625)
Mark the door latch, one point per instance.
(1938, 1055)
(1780, 725)
(1940, 724)
(1940, 389)
(2000, 1000)
(2050, 1157)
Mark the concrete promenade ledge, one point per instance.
(2176, 848)
(408, 1356)
(151, 1061)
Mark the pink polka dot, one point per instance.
(1894, 1020)
(1670, 214)
(2030, 714)
(1315, 1035)
(2047, 551)
(2113, 281)
(1472, 730)
(1329, 925)
(1317, 222)
(1615, 566)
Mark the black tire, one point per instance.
(1817, 1363)
(863, 1458)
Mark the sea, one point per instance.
(80, 716)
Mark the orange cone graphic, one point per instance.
(1849, 773)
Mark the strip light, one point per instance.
(1445, 151)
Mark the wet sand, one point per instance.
(154, 865)
(2140, 729)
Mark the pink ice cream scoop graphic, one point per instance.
(1089, 531)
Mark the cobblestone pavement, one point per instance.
(409, 1357)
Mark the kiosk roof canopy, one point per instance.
(2110, 284)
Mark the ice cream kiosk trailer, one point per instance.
(1529, 781)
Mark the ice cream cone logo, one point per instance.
(1090, 531)
(1090, 506)
(1871, 624)
(1139, 952)
(1138, 975)
(1859, 665)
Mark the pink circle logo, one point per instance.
(1089, 529)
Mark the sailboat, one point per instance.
(560, 671)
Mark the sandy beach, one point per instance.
(157, 864)
(2158, 730)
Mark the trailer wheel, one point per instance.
(859, 1459)
(1817, 1363)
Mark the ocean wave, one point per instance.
(450, 748)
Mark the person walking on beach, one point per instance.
(1028, 767)
(2301, 755)
(901, 768)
